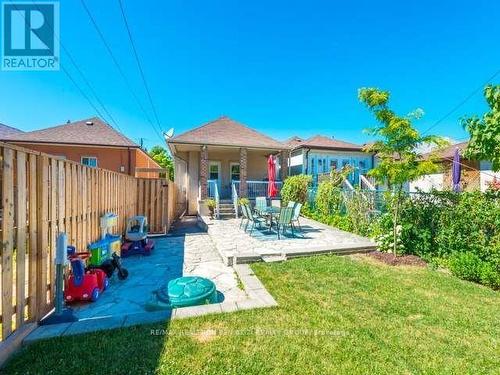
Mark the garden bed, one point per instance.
(403, 260)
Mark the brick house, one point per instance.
(223, 157)
(91, 142)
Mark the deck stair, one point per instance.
(226, 209)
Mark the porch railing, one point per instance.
(213, 192)
(365, 183)
(234, 194)
(257, 188)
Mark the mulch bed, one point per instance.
(403, 260)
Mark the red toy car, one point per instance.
(82, 285)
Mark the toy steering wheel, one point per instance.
(83, 256)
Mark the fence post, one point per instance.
(42, 231)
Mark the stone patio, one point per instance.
(188, 250)
(237, 246)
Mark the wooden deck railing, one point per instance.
(42, 195)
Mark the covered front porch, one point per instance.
(226, 173)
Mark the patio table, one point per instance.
(270, 212)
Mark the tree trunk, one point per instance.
(395, 219)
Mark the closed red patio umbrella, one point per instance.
(272, 190)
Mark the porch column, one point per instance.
(284, 155)
(203, 172)
(243, 173)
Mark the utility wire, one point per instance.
(461, 103)
(139, 65)
(115, 61)
(85, 96)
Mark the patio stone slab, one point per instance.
(147, 318)
(45, 332)
(93, 325)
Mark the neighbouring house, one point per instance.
(318, 155)
(223, 159)
(475, 174)
(91, 142)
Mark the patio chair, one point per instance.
(252, 218)
(296, 214)
(276, 203)
(244, 214)
(284, 220)
(291, 204)
(260, 204)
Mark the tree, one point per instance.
(484, 133)
(161, 156)
(396, 149)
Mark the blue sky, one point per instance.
(282, 67)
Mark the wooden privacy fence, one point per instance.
(42, 195)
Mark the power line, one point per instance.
(115, 61)
(137, 59)
(85, 96)
(82, 92)
(91, 88)
(461, 103)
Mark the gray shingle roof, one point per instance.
(7, 131)
(323, 142)
(78, 132)
(227, 132)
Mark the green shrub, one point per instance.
(295, 189)
(467, 266)
(328, 199)
(490, 276)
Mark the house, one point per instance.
(320, 154)
(224, 159)
(91, 142)
(475, 174)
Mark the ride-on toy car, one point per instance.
(136, 237)
(82, 284)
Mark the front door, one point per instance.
(214, 173)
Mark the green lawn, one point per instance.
(336, 315)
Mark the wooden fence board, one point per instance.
(7, 240)
(43, 229)
(21, 238)
(33, 238)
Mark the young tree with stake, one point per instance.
(396, 149)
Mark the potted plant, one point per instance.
(243, 201)
(211, 206)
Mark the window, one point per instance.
(235, 172)
(333, 164)
(214, 172)
(89, 161)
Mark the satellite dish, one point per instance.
(169, 134)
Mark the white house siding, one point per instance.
(487, 175)
(320, 161)
(427, 183)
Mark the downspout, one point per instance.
(307, 160)
(129, 161)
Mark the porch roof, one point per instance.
(226, 132)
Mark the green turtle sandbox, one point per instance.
(182, 292)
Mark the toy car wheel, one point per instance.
(95, 295)
(105, 283)
(123, 274)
